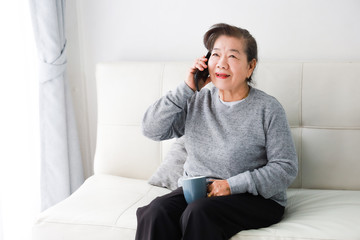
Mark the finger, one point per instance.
(200, 63)
(201, 66)
(200, 60)
(214, 191)
(210, 188)
(193, 69)
(211, 194)
(197, 66)
(203, 58)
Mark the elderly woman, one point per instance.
(235, 134)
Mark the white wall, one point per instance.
(111, 30)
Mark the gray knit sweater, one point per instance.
(249, 143)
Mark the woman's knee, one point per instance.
(156, 222)
(168, 207)
(151, 213)
(197, 222)
(195, 212)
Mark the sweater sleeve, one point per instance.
(282, 166)
(165, 119)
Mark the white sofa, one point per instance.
(322, 102)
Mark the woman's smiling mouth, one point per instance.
(222, 75)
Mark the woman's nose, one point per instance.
(222, 63)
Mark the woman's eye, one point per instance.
(232, 56)
(215, 54)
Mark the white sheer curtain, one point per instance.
(19, 124)
(61, 164)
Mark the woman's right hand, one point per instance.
(200, 64)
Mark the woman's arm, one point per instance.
(165, 119)
(282, 166)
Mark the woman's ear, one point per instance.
(252, 65)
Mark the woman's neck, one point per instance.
(232, 96)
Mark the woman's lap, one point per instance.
(207, 218)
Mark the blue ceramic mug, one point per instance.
(194, 188)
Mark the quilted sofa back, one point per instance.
(322, 102)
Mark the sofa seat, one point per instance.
(104, 208)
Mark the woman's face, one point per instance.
(228, 65)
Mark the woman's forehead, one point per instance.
(228, 43)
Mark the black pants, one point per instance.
(169, 217)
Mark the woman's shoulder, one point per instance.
(265, 99)
(201, 97)
(205, 92)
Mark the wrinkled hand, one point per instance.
(200, 64)
(219, 188)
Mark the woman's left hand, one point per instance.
(218, 188)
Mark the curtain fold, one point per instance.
(61, 164)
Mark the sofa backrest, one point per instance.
(322, 102)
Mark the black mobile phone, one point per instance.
(202, 75)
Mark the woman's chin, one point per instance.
(221, 87)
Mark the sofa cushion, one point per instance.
(104, 207)
(172, 167)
